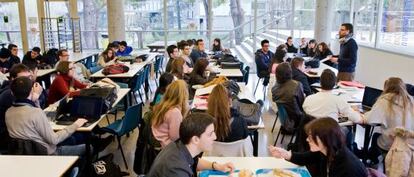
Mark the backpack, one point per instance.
(251, 112)
(228, 58)
(115, 69)
(232, 87)
(108, 94)
(314, 63)
(105, 167)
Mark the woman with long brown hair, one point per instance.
(169, 113)
(179, 68)
(106, 58)
(394, 108)
(229, 126)
(328, 152)
(322, 52)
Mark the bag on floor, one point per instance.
(105, 167)
(115, 69)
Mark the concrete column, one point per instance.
(324, 13)
(41, 14)
(116, 20)
(73, 9)
(23, 25)
(210, 21)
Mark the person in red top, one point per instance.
(64, 83)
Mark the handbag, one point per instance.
(249, 111)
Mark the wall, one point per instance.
(375, 66)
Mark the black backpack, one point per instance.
(105, 167)
(108, 94)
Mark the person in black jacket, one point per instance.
(14, 51)
(263, 58)
(311, 48)
(32, 56)
(410, 89)
(347, 54)
(322, 52)
(290, 47)
(298, 69)
(5, 63)
(328, 155)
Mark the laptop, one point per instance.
(86, 107)
(370, 97)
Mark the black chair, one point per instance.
(283, 115)
(262, 75)
(246, 74)
(26, 147)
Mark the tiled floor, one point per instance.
(266, 137)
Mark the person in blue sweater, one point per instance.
(263, 58)
(348, 53)
(124, 49)
(198, 51)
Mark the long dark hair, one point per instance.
(217, 47)
(105, 55)
(279, 55)
(325, 49)
(200, 66)
(330, 134)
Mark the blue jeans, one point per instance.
(77, 150)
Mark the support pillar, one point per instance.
(41, 14)
(324, 13)
(23, 25)
(116, 20)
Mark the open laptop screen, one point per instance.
(370, 96)
(86, 107)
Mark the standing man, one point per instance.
(348, 53)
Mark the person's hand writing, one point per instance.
(80, 122)
(280, 152)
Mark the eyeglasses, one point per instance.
(71, 68)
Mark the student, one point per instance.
(229, 126)
(106, 58)
(328, 152)
(197, 76)
(32, 56)
(178, 69)
(262, 60)
(303, 46)
(25, 121)
(114, 46)
(173, 53)
(198, 51)
(14, 58)
(64, 83)
(169, 113)
(81, 72)
(322, 52)
(217, 45)
(5, 63)
(298, 74)
(278, 57)
(311, 48)
(289, 92)
(7, 98)
(42, 101)
(394, 108)
(290, 47)
(164, 81)
(326, 104)
(348, 53)
(185, 53)
(182, 157)
(124, 49)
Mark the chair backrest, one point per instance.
(132, 119)
(282, 113)
(140, 77)
(26, 147)
(88, 62)
(240, 148)
(158, 62)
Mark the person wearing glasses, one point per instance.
(263, 57)
(64, 83)
(81, 72)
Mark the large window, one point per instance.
(365, 21)
(9, 23)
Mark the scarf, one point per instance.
(346, 38)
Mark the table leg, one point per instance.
(255, 142)
(367, 139)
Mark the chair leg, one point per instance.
(274, 123)
(122, 151)
(135, 97)
(140, 96)
(277, 137)
(257, 86)
(107, 119)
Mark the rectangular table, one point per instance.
(77, 57)
(155, 46)
(350, 94)
(318, 71)
(44, 166)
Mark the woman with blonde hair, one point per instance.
(169, 113)
(394, 108)
(229, 126)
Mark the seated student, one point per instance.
(191, 43)
(183, 157)
(173, 54)
(217, 47)
(14, 58)
(278, 57)
(7, 98)
(394, 108)
(198, 51)
(326, 104)
(81, 72)
(25, 121)
(328, 153)
(185, 53)
(298, 74)
(262, 59)
(197, 76)
(290, 47)
(106, 58)
(42, 101)
(288, 92)
(124, 49)
(114, 46)
(229, 126)
(179, 69)
(322, 52)
(49, 59)
(5, 63)
(169, 113)
(164, 81)
(303, 46)
(64, 83)
(32, 56)
(311, 48)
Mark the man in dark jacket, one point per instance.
(198, 51)
(290, 47)
(5, 63)
(347, 54)
(14, 52)
(298, 68)
(263, 59)
(32, 56)
(173, 54)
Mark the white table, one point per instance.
(121, 94)
(76, 57)
(350, 94)
(322, 66)
(225, 72)
(254, 163)
(42, 166)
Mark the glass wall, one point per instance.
(365, 21)
(9, 23)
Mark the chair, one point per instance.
(157, 66)
(147, 73)
(88, 62)
(26, 147)
(138, 85)
(260, 78)
(240, 148)
(246, 74)
(283, 115)
(119, 128)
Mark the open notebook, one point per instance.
(294, 172)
